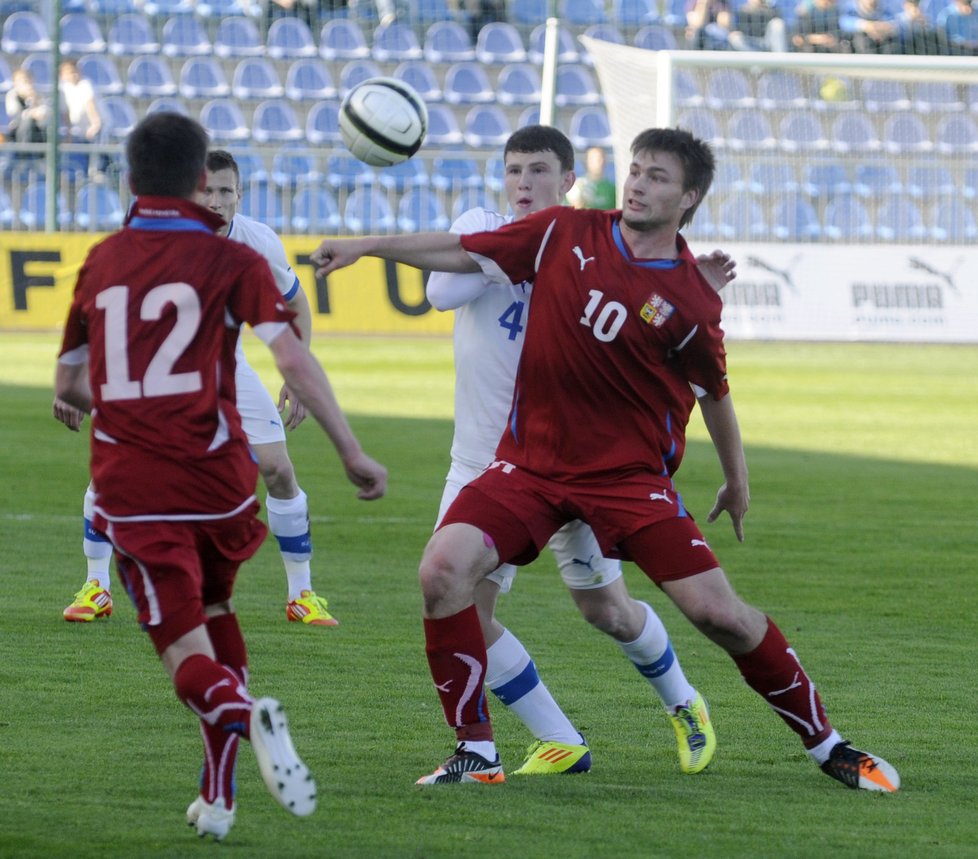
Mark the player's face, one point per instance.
(221, 195)
(534, 181)
(653, 195)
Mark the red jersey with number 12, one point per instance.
(156, 310)
(612, 346)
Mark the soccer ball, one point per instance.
(383, 121)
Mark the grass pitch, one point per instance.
(861, 542)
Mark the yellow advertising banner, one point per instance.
(38, 271)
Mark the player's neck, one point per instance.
(658, 243)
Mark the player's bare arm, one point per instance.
(428, 251)
(72, 389)
(288, 404)
(719, 268)
(734, 496)
(67, 414)
(306, 378)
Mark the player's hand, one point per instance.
(368, 474)
(334, 254)
(67, 414)
(735, 500)
(719, 268)
(296, 413)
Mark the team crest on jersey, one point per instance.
(657, 310)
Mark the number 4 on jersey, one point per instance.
(512, 319)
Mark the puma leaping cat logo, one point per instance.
(580, 255)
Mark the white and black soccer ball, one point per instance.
(383, 121)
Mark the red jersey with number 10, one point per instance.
(156, 310)
(612, 345)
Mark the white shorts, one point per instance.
(259, 417)
(579, 559)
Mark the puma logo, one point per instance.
(660, 496)
(695, 543)
(580, 255)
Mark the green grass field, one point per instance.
(861, 542)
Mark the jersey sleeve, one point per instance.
(447, 290)
(254, 298)
(285, 277)
(511, 253)
(74, 340)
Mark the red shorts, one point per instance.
(173, 569)
(638, 517)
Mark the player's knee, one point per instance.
(729, 624)
(279, 477)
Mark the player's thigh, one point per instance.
(259, 417)
(579, 558)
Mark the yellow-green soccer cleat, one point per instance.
(310, 609)
(694, 735)
(550, 758)
(90, 602)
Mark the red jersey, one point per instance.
(612, 346)
(156, 311)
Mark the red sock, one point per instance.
(214, 692)
(229, 644)
(457, 656)
(774, 671)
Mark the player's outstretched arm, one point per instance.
(719, 268)
(428, 251)
(306, 378)
(734, 496)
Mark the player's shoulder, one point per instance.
(479, 220)
(253, 233)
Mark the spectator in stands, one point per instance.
(957, 24)
(84, 117)
(27, 110)
(708, 25)
(475, 14)
(918, 35)
(871, 28)
(817, 28)
(757, 26)
(593, 190)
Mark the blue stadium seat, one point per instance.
(224, 121)
(906, 133)
(7, 213)
(589, 126)
(222, 8)
(471, 198)
(495, 174)
(499, 42)
(956, 135)
(741, 217)
(262, 201)
(826, 179)
(802, 131)
(854, 132)
(529, 12)
(953, 221)
(275, 122)
(168, 104)
(6, 77)
(443, 127)
(41, 69)
(367, 211)
(634, 13)
(290, 39)
(795, 220)
(314, 211)
(702, 123)
(930, 181)
(448, 42)
(356, 72)
(118, 117)
(131, 35)
(420, 211)
(323, 124)
(728, 177)
(576, 87)
(703, 226)
(293, 166)
(969, 187)
(874, 180)
(531, 116)
(655, 37)
(453, 174)
(750, 130)
(98, 208)
(238, 37)
(605, 33)
(468, 83)
(184, 36)
(149, 77)
(899, 220)
(418, 74)
(567, 47)
(346, 172)
(251, 165)
(729, 89)
(847, 219)
(884, 95)
(518, 83)
(202, 77)
(404, 176)
(102, 73)
(309, 79)
(24, 33)
(33, 205)
(768, 179)
(255, 78)
(686, 90)
(486, 126)
(168, 8)
(395, 43)
(81, 34)
(342, 39)
(582, 13)
(937, 97)
(777, 90)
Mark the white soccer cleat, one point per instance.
(212, 819)
(286, 776)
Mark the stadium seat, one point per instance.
(6, 77)
(956, 135)
(184, 36)
(486, 127)
(290, 39)
(825, 180)
(576, 87)
(471, 198)
(768, 179)
(23, 33)
(778, 90)
(238, 37)
(314, 211)
(906, 133)
(295, 165)
(795, 219)
(81, 34)
(168, 104)
(567, 48)
(589, 126)
(41, 69)
(309, 79)
(421, 211)
(255, 78)
(686, 90)
(418, 74)
(356, 72)
(629, 14)
(529, 12)
(605, 33)
(168, 8)
(367, 211)
(518, 83)
(854, 132)
(884, 95)
(106, 9)
(847, 220)
(499, 42)
(655, 37)
(395, 43)
(346, 172)
(448, 42)
(118, 117)
(222, 9)
(7, 213)
(930, 181)
(443, 127)
(953, 220)
(342, 39)
(468, 83)
(969, 187)
(131, 35)
(149, 77)
(899, 220)
(275, 122)
(583, 13)
(702, 123)
(202, 77)
(251, 165)
(876, 181)
(703, 226)
(937, 97)
(739, 218)
(494, 175)
(224, 121)
(454, 174)
(404, 176)
(531, 116)
(33, 205)
(323, 123)
(98, 208)
(802, 131)
(728, 177)
(101, 71)
(729, 89)
(262, 201)
(750, 130)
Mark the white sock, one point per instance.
(95, 545)
(486, 748)
(288, 520)
(652, 654)
(821, 752)
(512, 677)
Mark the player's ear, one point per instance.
(570, 177)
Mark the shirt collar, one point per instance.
(171, 213)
